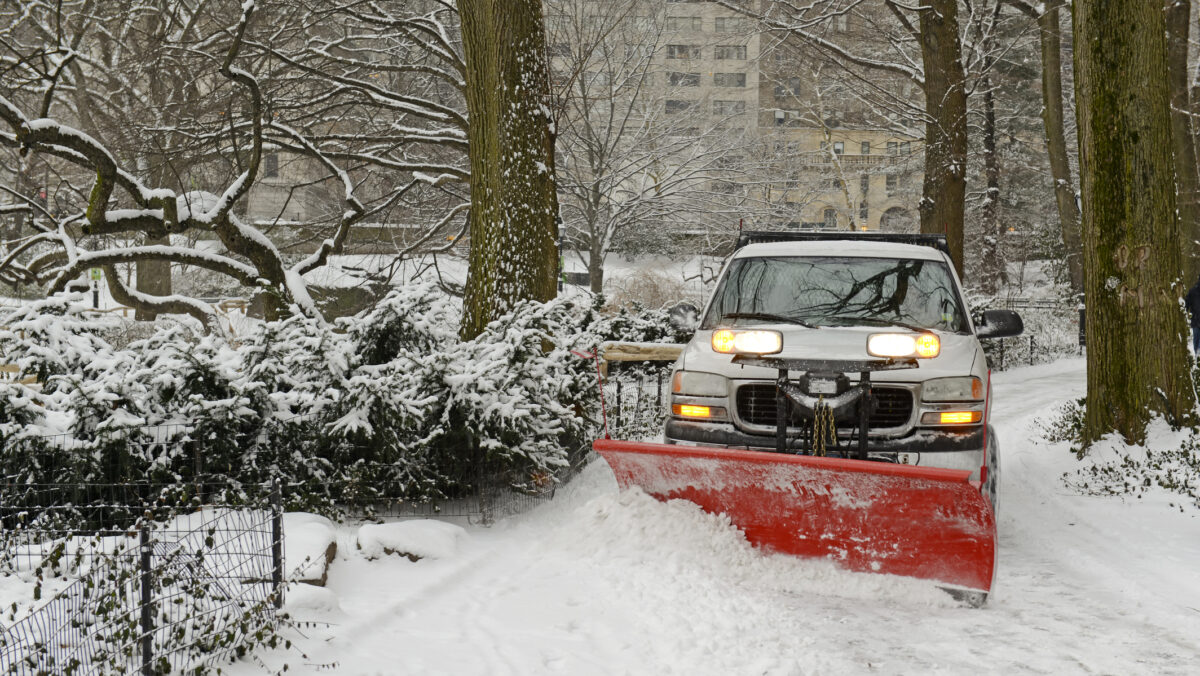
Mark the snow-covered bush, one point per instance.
(389, 403)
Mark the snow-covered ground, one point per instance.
(597, 582)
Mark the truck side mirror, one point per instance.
(684, 316)
(999, 324)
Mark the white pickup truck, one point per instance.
(864, 343)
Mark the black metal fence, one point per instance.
(136, 578)
(635, 395)
(1051, 332)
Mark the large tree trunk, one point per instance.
(1056, 142)
(513, 201)
(596, 270)
(992, 266)
(1187, 183)
(945, 183)
(153, 278)
(1137, 360)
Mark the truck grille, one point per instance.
(756, 405)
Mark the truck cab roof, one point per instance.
(842, 248)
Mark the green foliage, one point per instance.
(1174, 470)
(1065, 424)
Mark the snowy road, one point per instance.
(600, 583)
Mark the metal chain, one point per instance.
(824, 428)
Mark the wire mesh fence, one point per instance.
(135, 578)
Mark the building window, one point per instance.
(559, 49)
(839, 147)
(730, 53)
(830, 218)
(891, 184)
(864, 184)
(892, 146)
(729, 107)
(674, 107)
(862, 212)
(729, 79)
(840, 21)
(866, 147)
(684, 23)
(683, 51)
(789, 88)
(683, 79)
(835, 184)
(905, 147)
(639, 51)
(780, 118)
(729, 24)
(270, 165)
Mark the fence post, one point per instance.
(277, 542)
(1031, 344)
(658, 402)
(147, 584)
(617, 411)
(1001, 354)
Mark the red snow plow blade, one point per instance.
(875, 517)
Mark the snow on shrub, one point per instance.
(386, 404)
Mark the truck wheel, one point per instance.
(991, 487)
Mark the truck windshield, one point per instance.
(839, 291)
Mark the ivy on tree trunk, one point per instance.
(1137, 358)
(511, 147)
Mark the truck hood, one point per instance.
(960, 354)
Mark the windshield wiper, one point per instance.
(882, 322)
(768, 317)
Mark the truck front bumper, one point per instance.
(925, 447)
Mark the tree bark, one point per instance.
(511, 147)
(1187, 182)
(1137, 360)
(945, 184)
(153, 278)
(993, 270)
(1056, 142)
(596, 270)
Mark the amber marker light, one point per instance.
(960, 417)
(928, 346)
(691, 411)
(722, 341)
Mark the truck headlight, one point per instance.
(697, 384)
(756, 341)
(923, 346)
(965, 388)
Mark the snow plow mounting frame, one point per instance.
(785, 390)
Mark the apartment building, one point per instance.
(825, 159)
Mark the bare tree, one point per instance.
(306, 80)
(639, 152)
(1050, 36)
